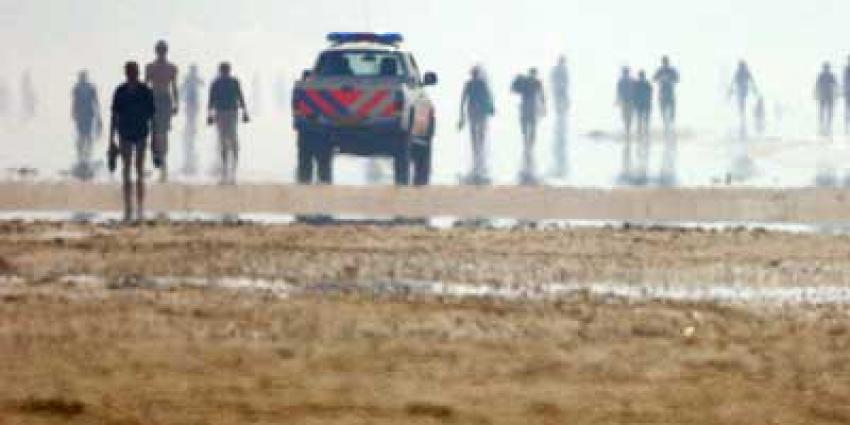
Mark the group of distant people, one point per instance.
(144, 107)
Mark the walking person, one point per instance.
(132, 115)
(743, 84)
(561, 95)
(226, 99)
(191, 95)
(642, 98)
(161, 75)
(625, 101)
(476, 108)
(532, 108)
(826, 89)
(667, 78)
(85, 112)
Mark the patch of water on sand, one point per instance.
(438, 222)
(713, 293)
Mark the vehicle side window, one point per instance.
(414, 69)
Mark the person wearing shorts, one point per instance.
(161, 75)
(532, 108)
(226, 99)
(132, 115)
(477, 107)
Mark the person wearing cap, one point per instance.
(161, 75)
(226, 99)
(476, 106)
(132, 115)
(532, 108)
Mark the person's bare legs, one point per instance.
(127, 179)
(160, 150)
(140, 184)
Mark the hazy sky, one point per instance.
(785, 42)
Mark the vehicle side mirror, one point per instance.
(306, 74)
(430, 79)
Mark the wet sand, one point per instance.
(533, 203)
(112, 349)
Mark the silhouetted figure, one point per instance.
(85, 111)
(642, 96)
(742, 84)
(532, 108)
(667, 77)
(561, 98)
(161, 75)
(226, 99)
(826, 89)
(132, 116)
(760, 117)
(847, 97)
(28, 98)
(476, 108)
(191, 94)
(626, 103)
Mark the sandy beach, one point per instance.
(89, 339)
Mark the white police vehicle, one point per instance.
(365, 96)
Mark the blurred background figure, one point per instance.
(191, 94)
(85, 111)
(283, 97)
(532, 108)
(826, 89)
(625, 101)
(476, 108)
(561, 96)
(642, 96)
(28, 97)
(667, 78)
(847, 97)
(226, 100)
(743, 84)
(760, 117)
(161, 75)
(5, 99)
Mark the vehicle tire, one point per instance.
(306, 144)
(402, 161)
(421, 155)
(324, 163)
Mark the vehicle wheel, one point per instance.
(324, 163)
(402, 162)
(306, 143)
(421, 155)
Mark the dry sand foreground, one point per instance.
(102, 354)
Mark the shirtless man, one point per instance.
(161, 76)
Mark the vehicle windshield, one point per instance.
(361, 64)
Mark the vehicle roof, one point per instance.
(364, 45)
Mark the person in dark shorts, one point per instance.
(226, 99)
(532, 108)
(85, 111)
(132, 115)
(826, 89)
(642, 98)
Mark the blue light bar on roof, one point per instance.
(391, 38)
